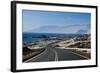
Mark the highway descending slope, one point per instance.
(55, 54)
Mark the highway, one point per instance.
(55, 54)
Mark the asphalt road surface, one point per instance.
(55, 54)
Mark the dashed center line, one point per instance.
(56, 55)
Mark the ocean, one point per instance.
(33, 37)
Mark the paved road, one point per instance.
(55, 54)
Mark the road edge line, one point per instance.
(79, 55)
(35, 56)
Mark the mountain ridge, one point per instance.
(81, 29)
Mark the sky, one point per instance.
(58, 22)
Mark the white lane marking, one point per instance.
(80, 55)
(36, 56)
(56, 55)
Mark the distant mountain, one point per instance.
(88, 31)
(81, 29)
